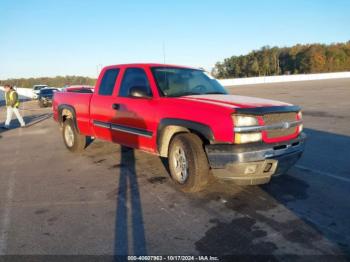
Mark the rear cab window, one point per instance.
(108, 82)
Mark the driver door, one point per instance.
(135, 124)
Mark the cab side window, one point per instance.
(108, 82)
(134, 77)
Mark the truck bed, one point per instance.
(80, 101)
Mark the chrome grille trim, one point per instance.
(282, 126)
(270, 119)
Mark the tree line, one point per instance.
(58, 81)
(298, 59)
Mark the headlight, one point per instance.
(240, 120)
(242, 138)
(300, 115)
(246, 137)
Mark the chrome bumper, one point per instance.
(254, 163)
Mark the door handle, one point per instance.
(116, 106)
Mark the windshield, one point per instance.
(173, 82)
(39, 87)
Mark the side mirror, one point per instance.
(139, 91)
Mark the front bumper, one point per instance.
(256, 163)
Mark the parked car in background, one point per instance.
(45, 96)
(79, 89)
(36, 90)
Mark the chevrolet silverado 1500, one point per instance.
(185, 115)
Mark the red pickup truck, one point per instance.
(185, 115)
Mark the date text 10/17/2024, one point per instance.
(173, 258)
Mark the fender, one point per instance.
(71, 109)
(202, 129)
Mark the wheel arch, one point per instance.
(169, 127)
(67, 111)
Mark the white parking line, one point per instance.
(5, 222)
(5, 219)
(323, 173)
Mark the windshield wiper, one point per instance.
(214, 93)
(193, 93)
(184, 94)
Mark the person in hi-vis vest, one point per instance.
(12, 104)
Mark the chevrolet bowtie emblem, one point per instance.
(286, 125)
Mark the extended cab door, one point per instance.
(102, 105)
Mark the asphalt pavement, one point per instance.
(114, 200)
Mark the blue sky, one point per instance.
(76, 37)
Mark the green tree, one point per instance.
(310, 58)
(58, 81)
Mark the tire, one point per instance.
(190, 174)
(74, 141)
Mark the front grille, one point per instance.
(281, 132)
(277, 118)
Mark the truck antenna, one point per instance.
(163, 52)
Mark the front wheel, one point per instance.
(74, 141)
(188, 163)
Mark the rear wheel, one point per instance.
(188, 163)
(74, 141)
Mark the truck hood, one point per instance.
(234, 101)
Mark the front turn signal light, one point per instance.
(300, 115)
(301, 127)
(242, 138)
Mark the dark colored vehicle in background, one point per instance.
(45, 96)
(36, 90)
